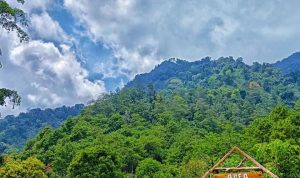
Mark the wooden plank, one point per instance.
(237, 169)
(240, 175)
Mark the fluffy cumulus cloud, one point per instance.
(29, 6)
(57, 75)
(45, 75)
(45, 71)
(142, 33)
(46, 28)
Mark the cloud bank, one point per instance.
(142, 33)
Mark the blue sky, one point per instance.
(89, 51)
(80, 50)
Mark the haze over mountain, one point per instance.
(289, 64)
(15, 131)
(173, 67)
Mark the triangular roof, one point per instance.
(246, 157)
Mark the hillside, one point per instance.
(289, 64)
(16, 131)
(184, 117)
(185, 70)
(179, 128)
(226, 82)
(163, 72)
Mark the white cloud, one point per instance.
(142, 33)
(54, 68)
(46, 28)
(44, 75)
(41, 24)
(30, 5)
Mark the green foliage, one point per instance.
(151, 168)
(95, 162)
(10, 17)
(282, 157)
(11, 95)
(169, 147)
(29, 168)
(182, 127)
(16, 131)
(194, 168)
(225, 86)
(148, 168)
(278, 145)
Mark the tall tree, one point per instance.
(10, 20)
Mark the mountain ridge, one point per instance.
(16, 130)
(286, 65)
(289, 64)
(180, 125)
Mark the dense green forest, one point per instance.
(15, 131)
(289, 64)
(175, 121)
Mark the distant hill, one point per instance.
(173, 67)
(177, 121)
(220, 81)
(161, 75)
(15, 131)
(289, 64)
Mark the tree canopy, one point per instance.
(179, 128)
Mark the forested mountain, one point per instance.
(15, 131)
(160, 75)
(206, 67)
(229, 88)
(176, 121)
(289, 64)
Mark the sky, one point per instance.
(82, 49)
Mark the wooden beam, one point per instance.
(242, 162)
(237, 169)
(218, 163)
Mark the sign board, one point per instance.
(239, 175)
